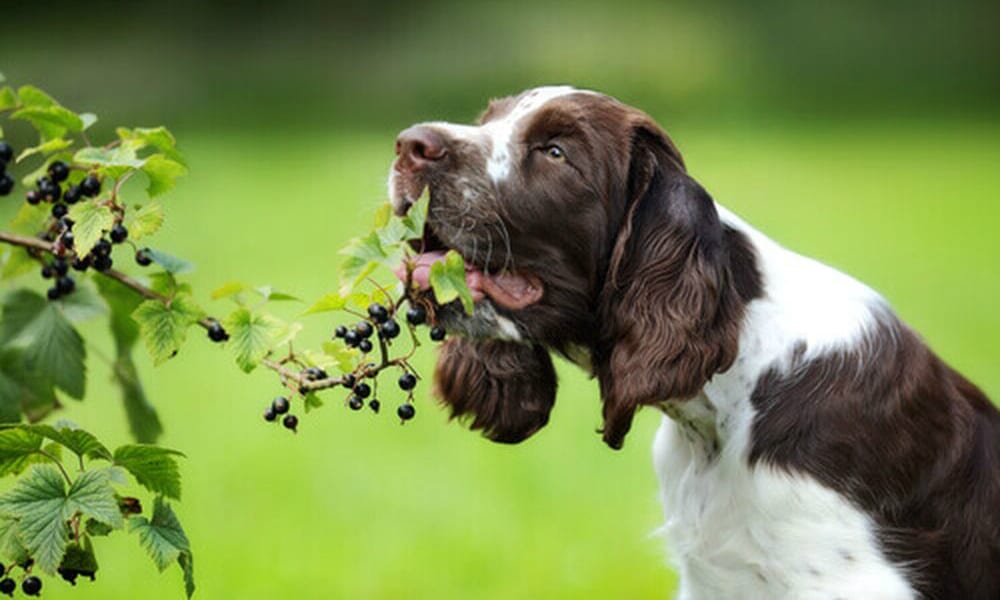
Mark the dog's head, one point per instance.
(583, 234)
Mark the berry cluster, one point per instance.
(31, 585)
(6, 157)
(379, 327)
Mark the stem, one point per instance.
(33, 243)
(59, 464)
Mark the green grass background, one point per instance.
(357, 507)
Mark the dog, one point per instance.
(812, 446)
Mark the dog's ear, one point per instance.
(505, 389)
(668, 311)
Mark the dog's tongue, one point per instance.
(509, 290)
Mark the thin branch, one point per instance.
(59, 464)
(34, 243)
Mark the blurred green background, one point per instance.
(864, 134)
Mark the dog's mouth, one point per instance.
(505, 288)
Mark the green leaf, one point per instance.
(327, 303)
(52, 122)
(88, 120)
(78, 441)
(382, 215)
(39, 505)
(140, 412)
(96, 528)
(158, 137)
(271, 295)
(447, 278)
(172, 264)
(343, 356)
(311, 402)
(32, 96)
(165, 541)
(114, 161)
(164, 328)
(92, 496)
(22, 390)
(363, 255)
(230, 288)
(11, 548)
(17, 262)
(53, 145)
(162, 173)
(83, 304)
(90, 221)
(7, 98)
(155, 468)
(252, 336)
(52, 347)
(146, 221)
(18, 449)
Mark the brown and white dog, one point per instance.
(813, 446)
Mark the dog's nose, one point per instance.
(420, 146)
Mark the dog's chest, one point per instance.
(738, 532)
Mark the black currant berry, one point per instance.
(416, 315)
(290, 422)
(81, 264)
(407, 381)
(315, 373)
(33, 197)
(216, 332)
(437, 334)
(6, 184)
(374, 404)
(280, 405)
(142, 257)
(90, 186)
(378, 312)
(363, 389)
(60, 266)
(269, 414)
(349, 381)
(364, 329)
(355, 402)
(31, 585)
(49, 189)
(67, 239)
(406, 411)
(351, 338)
(102, 246)
(389, 329)
(47, 272)
(65, 285)
(102, 262)
(58, 171)
(72, 194)
(118, 233)
(6, 152)
(59, 210)
(365, 346)
(7, 586)
(340, 331)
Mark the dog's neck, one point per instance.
(697, 420)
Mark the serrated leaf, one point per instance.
(17, 449)
(146, 221)
(92, 496)
(172, 264)
(157, 137)
(363, 255)
(252, 335)
(120, 156)
(53, 145)
(80, 558)
(327, 303)
(165, 541)
(342, 355)
(90, 221)
(230, 288)
(164, 328)
(162, 173)
(11, 547)
(154, 468)
(77, 441)
(447, 278)
(39, 505)
(52, 122)
(52, 347)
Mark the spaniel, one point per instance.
(812, 446)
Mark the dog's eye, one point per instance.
(554, 152)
